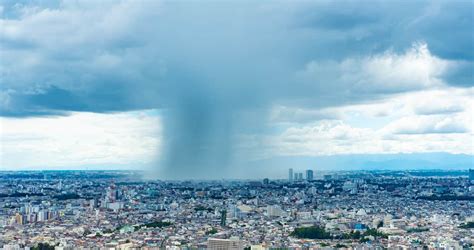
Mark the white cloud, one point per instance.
(333, 138)
(442, 101)
(428, 125)
(134, 137)
(437, 120)
(388, 72)
(80, 139)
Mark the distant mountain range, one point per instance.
(443, 161)
(277, 167)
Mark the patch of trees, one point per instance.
(21, 195)
(203, 208)
(447, 198)
(311, 233)
(67, 196)
(417, 230)
(320, 234)
(154, 224)
(43, 246)
(374, 232)
(212, 231)
(24, 176)
(467, 225)
(391, 186)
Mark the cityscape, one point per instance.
(309, 210)
(237, 124)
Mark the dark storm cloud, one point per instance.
(462, 76)
(213, 67)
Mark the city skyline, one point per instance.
(345, 210)
(237, 89)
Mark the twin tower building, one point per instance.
(294, 176)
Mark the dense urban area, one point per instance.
(308, 210)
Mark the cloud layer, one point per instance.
(80, 140)
(129, 55)
(220, 72)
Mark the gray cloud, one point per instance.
(283, 114)
(215, 67)
(438, 109)
(445, 129)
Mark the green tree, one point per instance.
(43, 246)
(212, 231)
(311, 233)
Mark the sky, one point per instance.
(213, 89)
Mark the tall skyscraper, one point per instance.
(290, 174)
(309, 175)
(111, 194)
(471, 174)
(223, 217)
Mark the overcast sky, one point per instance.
(199, 88)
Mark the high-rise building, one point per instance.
(111, 194)
(234, 243)
(290, 174)
(223, 217)
(275, 211)
(300, 176)
(32, 217)
(20, 219)
(471, 174)
(309, 175)
(43, 215)
(93, 203)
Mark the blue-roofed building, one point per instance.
(360, 226)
